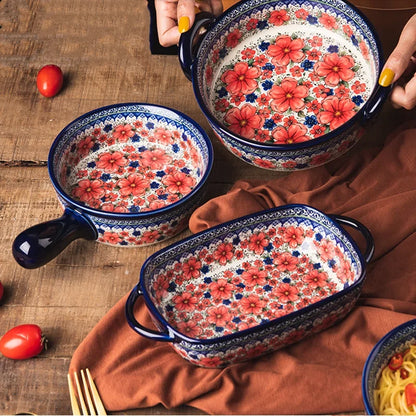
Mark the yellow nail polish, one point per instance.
(183, 24)
(386, 77)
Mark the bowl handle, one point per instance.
(41, 243)
(376, 101)
(140, 329)
(369, 251)
(188, 43)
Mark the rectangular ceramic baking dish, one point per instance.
(252, 285)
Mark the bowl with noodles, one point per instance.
(389, 376)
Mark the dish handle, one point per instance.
(190, 40)
(41, 243)
(140, 329)
(369, 251)
(376, 101)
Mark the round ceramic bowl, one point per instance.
(252, 285)
(284, 84)
(396, 341)
(127, 175)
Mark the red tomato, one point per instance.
(49, 80)
(410, 394)
(22, 341)
(396, 361)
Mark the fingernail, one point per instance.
(386, 77)
(183, 24)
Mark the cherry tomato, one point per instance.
(404, 373)
(49, 80)
(396, 361)
(410, 394)
(22, 342)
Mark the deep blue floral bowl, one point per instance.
(252, 285)
(127, 175)
(396, 341)
(285, 84)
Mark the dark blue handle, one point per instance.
(148, 333)
(188, 42)
(376, 101)
(41, 243)
(369, 251)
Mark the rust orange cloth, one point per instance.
(320, 374)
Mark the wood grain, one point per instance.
(102, 48)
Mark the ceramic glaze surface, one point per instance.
(251, 286)
(252, 277)
(287, 85)
(288, 75)
(132, 163)
(137, 169)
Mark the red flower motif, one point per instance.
(326, 250)
(253, 276)
(241, 78)
(294, 236)
(163, 136)
(335, 68)
(185, 301)
(258, 242)
(317, 130)
(149, 237)
(191, 268)
(178, 182)
(286, 293)
(155, 159)
(320, 159)
(190, 328)
(233, 38)
(295, 133)
(85, 145)
(132, 185)
(218, 315)
(301, 14)
(123, 132)
(285, 50)
(288, 95)
(210, 361)
(263, 163)
(315, 279)
(221, 289)
(278, 17)
(223, 253)
(244, 120)
(252, 304)
(328, 21)
(285, 262)
(87, 191)
(336, 111)
(111, 162)
(111, 238)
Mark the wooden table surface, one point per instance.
(102, 48)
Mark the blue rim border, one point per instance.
(181, 337)
(367, 401)
(293, 146)
(129, 215)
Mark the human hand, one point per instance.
(401, 66)
(177, 16)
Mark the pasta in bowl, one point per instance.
(389, 377)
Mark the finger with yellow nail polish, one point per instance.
(386, 77)
(183, 24)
